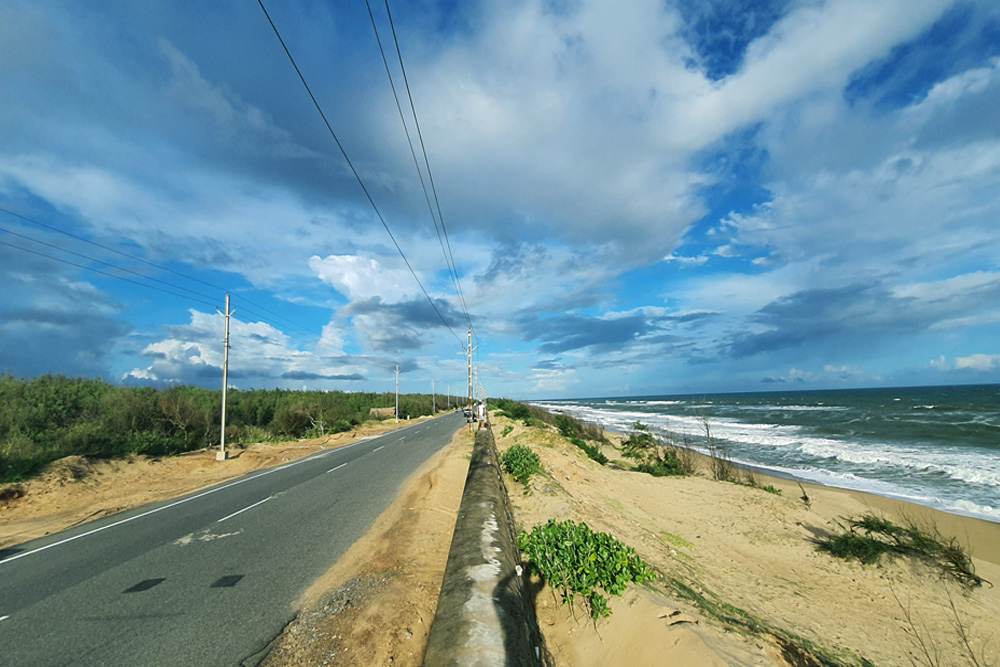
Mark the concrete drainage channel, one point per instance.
(484, 616)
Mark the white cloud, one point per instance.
(363, 277)
(814, 48)
(978, 362)
(193, 353)
(552, 380)
(686, 261)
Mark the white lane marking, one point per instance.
(4, 618)
(378, 448)
(154, 511)
(259, 502)
(337, 468)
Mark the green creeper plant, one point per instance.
(521, 463)
(580, 563)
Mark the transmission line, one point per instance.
(354, 171)
(105, 273)
(416, 164)
(262, 318)
(427, 164)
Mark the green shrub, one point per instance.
(521, 463)
(506, 431)
(771, 489)
(580, 563)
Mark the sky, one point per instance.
(648, 197)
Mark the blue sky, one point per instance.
(643, 197)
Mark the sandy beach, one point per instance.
(742, 582)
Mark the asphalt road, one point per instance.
(206, 579)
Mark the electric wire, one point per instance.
(108, 264)
(99, 245)
(108, 274)
(452, 272)
(105, 273)
(353, 170)
(238, 297)
(416, 164)
(427, 164)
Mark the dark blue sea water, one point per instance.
(937, 446)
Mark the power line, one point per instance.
(108, 264)
(105, 273)
(357, 176)
(430, 175)
(452, 272)
(119, 252)
(262, 318)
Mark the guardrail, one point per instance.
(483, 616)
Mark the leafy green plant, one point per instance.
(869, 537)
(521, 463)
(506, 431)
(582, 564)
(770, 488)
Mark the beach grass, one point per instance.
(869, 537)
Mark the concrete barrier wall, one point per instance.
(483, 617)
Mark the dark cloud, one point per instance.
(306, 375)
(417, 313)
(51, 322)
(395, 327)
(572, 332)
(859, 315)
(818, 314)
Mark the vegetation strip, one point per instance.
(50, 417)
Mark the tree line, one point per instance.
(53, 416)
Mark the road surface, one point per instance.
(210, 578)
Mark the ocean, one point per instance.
(936, 446)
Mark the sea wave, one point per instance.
(795, 408)
(953, 477)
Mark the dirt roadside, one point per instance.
(376, 604)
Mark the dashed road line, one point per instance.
(4, 618)
(378, 448)
(259, 502)
(337, 468)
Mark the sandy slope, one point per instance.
(752, 550)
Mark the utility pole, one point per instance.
(397, 393)
(470, 350)
(221, 455)
(434, 405)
